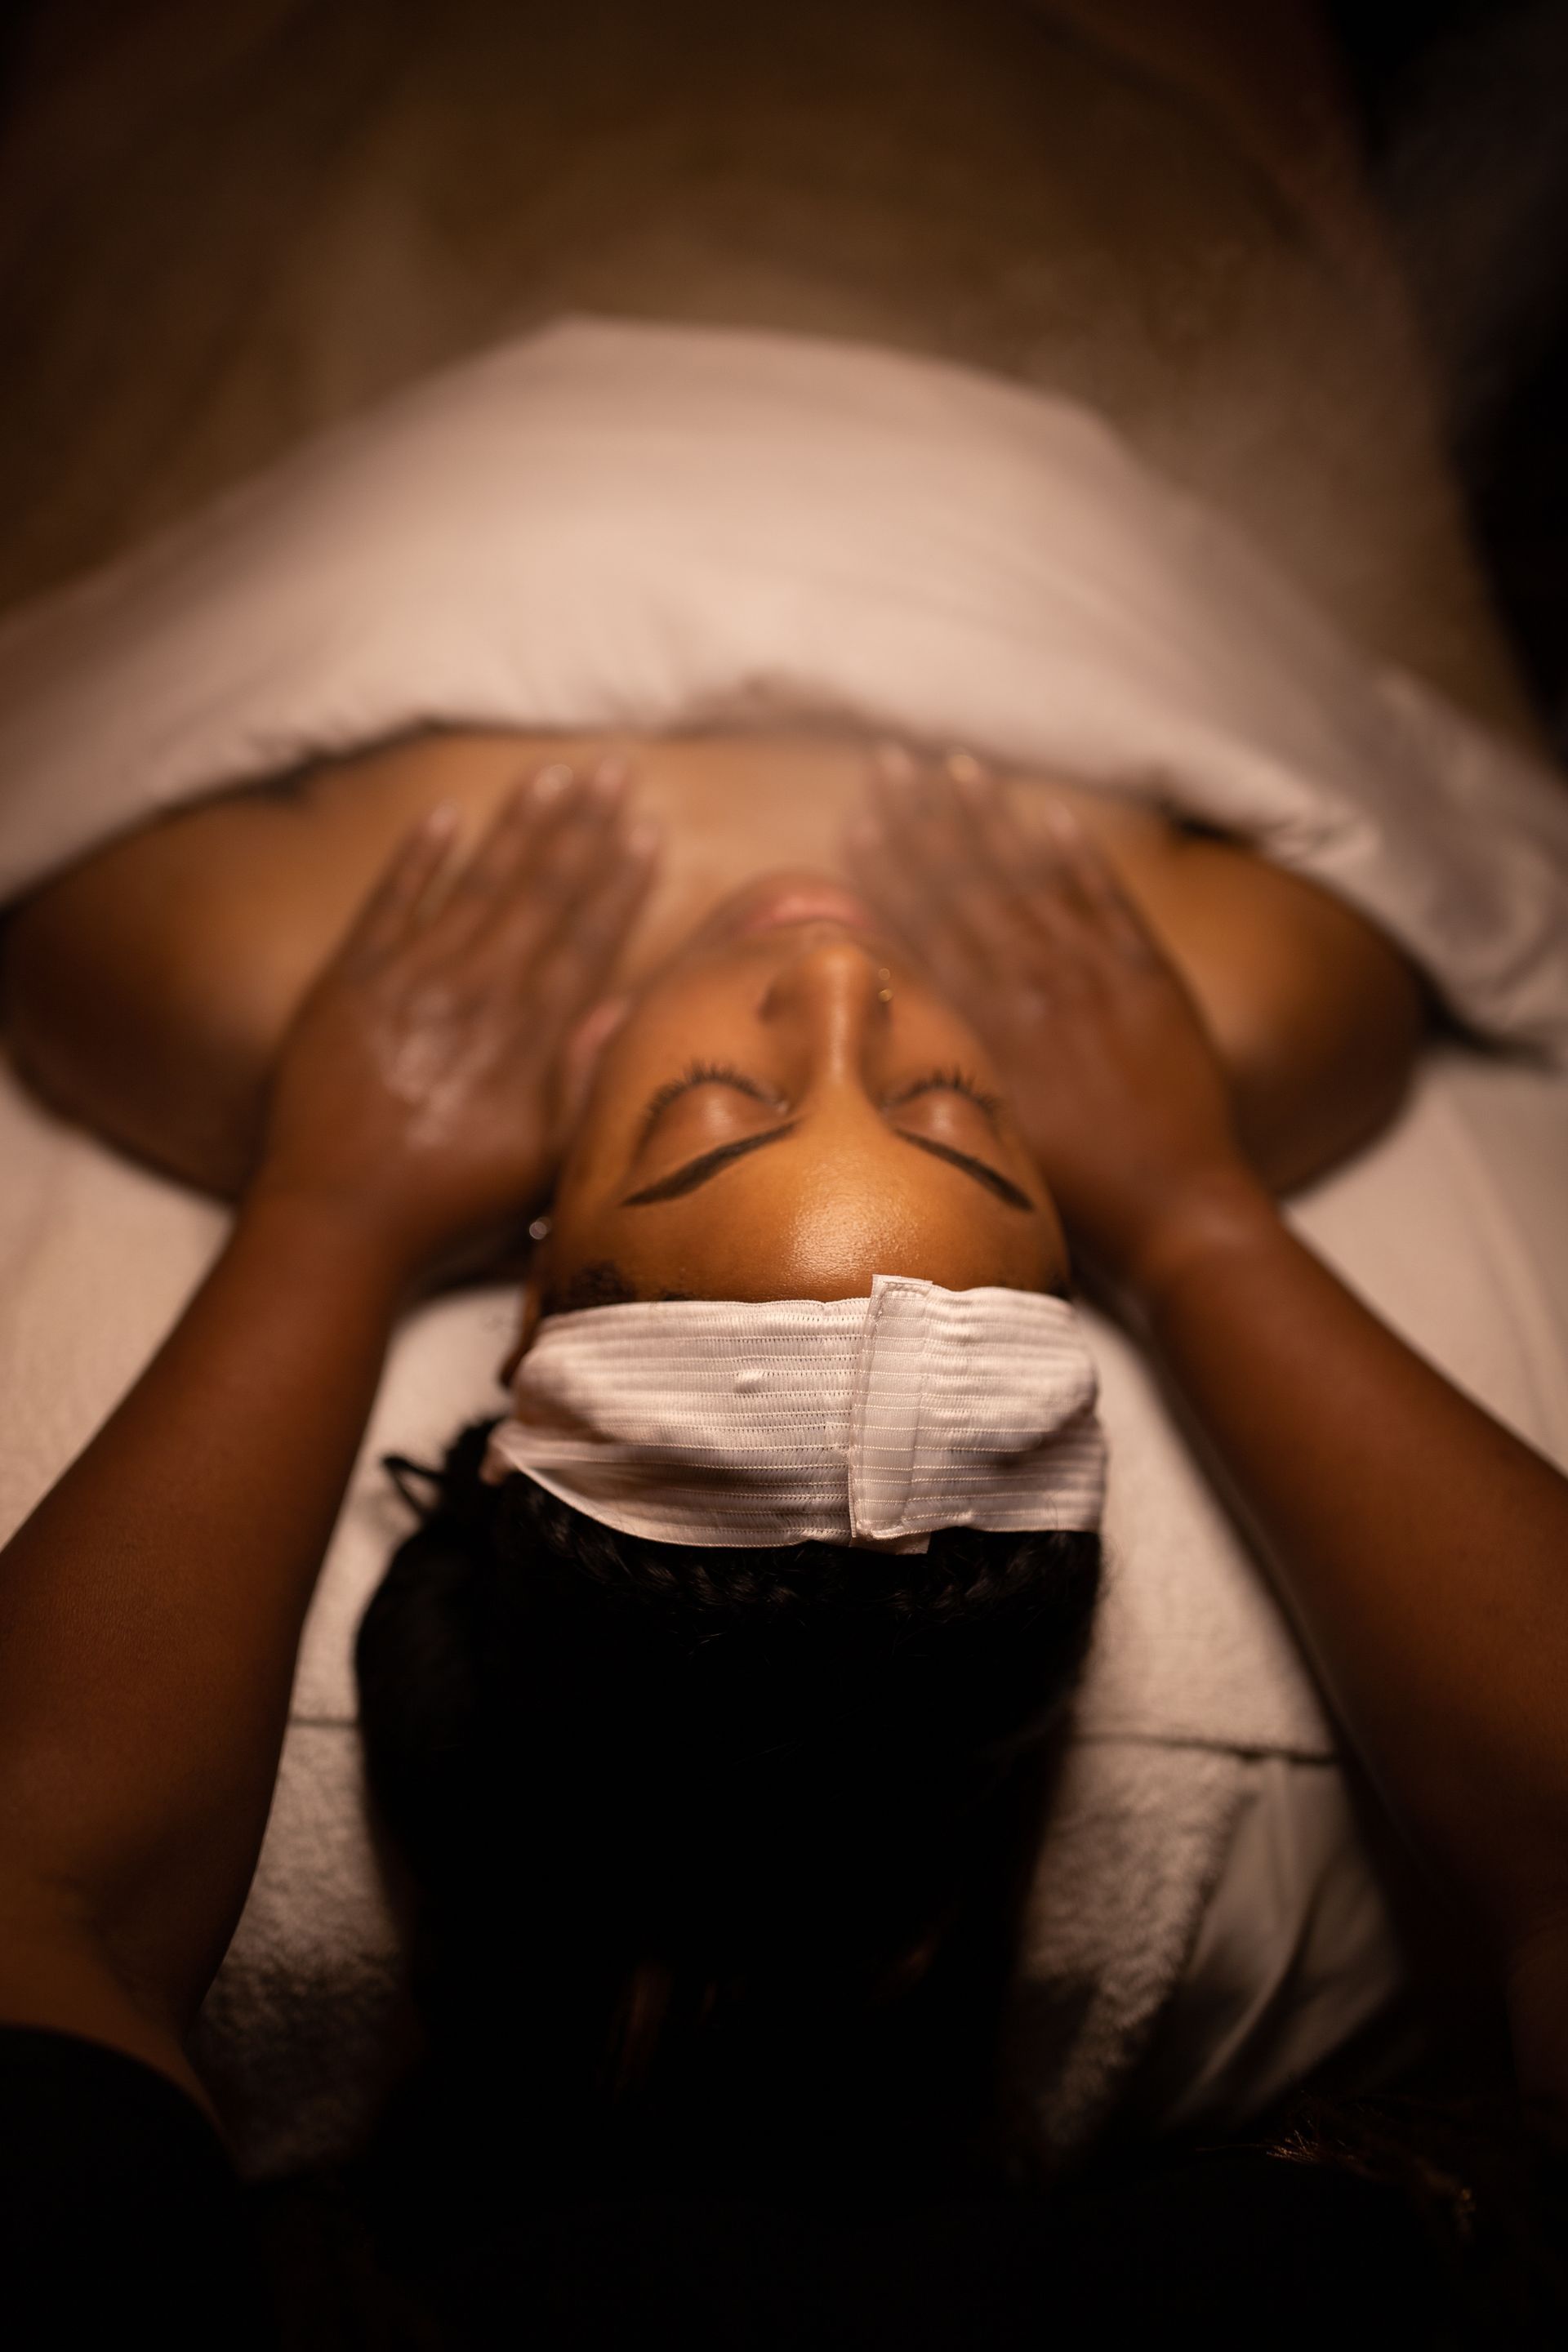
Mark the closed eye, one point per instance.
(724, 1074)
(697, 1172)
(947, 1081)
(703, 1074)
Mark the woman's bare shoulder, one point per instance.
(146, 988)
(1317, 1014)
(138, 987)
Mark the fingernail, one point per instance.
(644, 838)
(963, 767)
(612, 771)
(865, 833)
(442, 820)
(607, 783)
(553, 781)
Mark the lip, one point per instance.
(809, 902)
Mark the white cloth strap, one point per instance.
(853, 1421)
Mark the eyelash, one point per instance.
(699, 1074)
(703, 1074)
(952, 1081)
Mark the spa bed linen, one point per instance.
(640, 527)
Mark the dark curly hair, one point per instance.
(705, 1838)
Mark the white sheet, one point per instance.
(644, 527)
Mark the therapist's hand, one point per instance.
(418, 1092)
(1111, 1075)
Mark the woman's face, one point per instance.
(789, 1107)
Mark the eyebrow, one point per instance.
(697, 1171)
(991, 1178)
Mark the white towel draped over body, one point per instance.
(649, 527)
(645, 527)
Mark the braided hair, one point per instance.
(703, 1837)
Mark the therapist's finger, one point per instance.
(906, 803)
(514, 843)
(390, 912)
(915, 803)
(567, 863)
(1100, 889)
(899, 888)
(542, 832)
(990, 863)
(574, 968)
(1048, 893)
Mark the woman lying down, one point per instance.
(712, 1707)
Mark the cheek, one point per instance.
(625, 1050)
(1054, 1257)
(586, 1045)
(606, 1079)
(581, 1056)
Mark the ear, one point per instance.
(528, 1323)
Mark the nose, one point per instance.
(832, 995)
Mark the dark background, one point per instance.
(1463, 107)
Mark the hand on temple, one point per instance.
(1109, 1073)
(420, 1086)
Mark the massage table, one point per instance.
(1124, 289)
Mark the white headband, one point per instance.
(855, 1421)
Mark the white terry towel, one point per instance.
(645, 527)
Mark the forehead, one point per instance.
(806, 1220)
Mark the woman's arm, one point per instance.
(1422, 1549)
(150, 1611)
(151, 1608)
